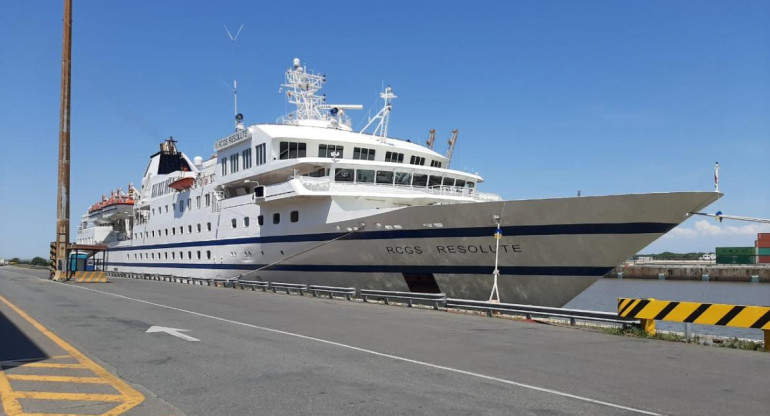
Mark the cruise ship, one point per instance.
(307, 199)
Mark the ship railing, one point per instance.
(530, 311)
(325, 184)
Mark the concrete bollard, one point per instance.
(705, 277)
(755, 279)
(661, 276)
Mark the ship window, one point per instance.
(165, 255)
(384, 176)
(364, 176)
(234, 163)
(330, 150)
(189, 228)
(153, 234)
(189, 255)
(435, 164)
(434, 181)
(448, 181)
(276, 218)
(199, 254)
(153, 211)
(234, 222)
(224, 166)
(166, 231)
(394, 157)
(363, 153)
(173, 255)
(153, 256)
(261, 219)
(197, 202)
(173, 231)
(292, 150)
(208, 226)
(245, 221)
(260, 155)
(460, 183)
(189, 204)
(417, 160)
(294, 216)
(343, 175)
(173, 206)
(208, 200)
(246, 156)
(208, 254)
(420, 180)
(181, 229)
(166, 208)
(403, 178)
(199, 228)
(134, 256)
(470, 184)
(181, 205)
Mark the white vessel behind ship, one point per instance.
(309, 200)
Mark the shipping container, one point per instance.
(763, 259)
(736, 259)
(763, 251)
(736, 251)
(763, 240)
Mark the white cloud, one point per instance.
(706, 228)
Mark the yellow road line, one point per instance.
(82, 397)
(52, 365)
(129, 397)
(57, 379)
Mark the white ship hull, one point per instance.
(551, 249)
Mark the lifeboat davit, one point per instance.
(182, 183)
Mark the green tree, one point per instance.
(39, 261)
(14, 260)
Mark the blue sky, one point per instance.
(550, 97)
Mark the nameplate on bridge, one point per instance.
(232, 139)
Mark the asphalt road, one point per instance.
(274, 354)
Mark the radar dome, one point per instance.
(198, 161)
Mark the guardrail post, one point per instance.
(410, 302)
(648, 325)
(767, 339)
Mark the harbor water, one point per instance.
(603, 296)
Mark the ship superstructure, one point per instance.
(310, 200)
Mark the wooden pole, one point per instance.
(63, 188)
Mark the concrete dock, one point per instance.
(246, 353)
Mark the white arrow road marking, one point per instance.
(172, 331)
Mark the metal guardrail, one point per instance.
(437, 299)
(288, 287)
(252, 284)
(528, 311)
(348, 292)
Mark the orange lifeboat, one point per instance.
(182, 183)
(117, 198)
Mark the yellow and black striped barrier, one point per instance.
(97, 276)
(650, 310)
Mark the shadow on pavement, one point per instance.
(15, 347)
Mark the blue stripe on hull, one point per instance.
(341, 268)
(515, 230)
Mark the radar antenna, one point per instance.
(238, 116)
(383, 115)
(302, 89)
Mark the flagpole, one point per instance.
(494, 297)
